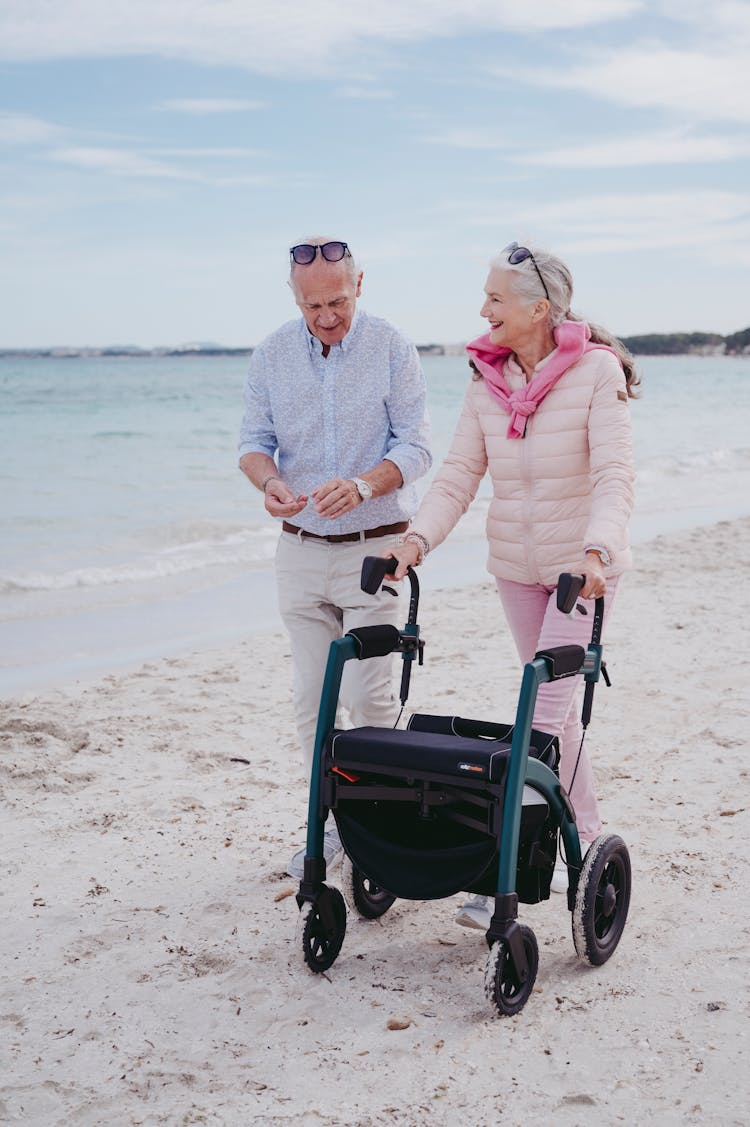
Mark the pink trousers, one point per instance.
(536, 624)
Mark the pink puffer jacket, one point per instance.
(567, 485)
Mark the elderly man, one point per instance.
(338, 397)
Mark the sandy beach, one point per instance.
(151, 966)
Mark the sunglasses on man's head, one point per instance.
(304, 253)
(517, 254)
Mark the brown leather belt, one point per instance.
(349, 537)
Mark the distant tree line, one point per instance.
(674, 344)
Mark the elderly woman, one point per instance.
(547, 414)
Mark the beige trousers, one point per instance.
(320, 599)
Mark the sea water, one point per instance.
(127, 531)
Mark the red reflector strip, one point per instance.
(345, 775)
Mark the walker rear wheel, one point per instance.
(370, 900)
(323, 929)
(501, 983)
(602, 899)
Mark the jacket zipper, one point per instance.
(526, 478)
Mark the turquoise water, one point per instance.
(124, 516)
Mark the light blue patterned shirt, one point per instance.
(340, 415)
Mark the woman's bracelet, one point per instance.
(422, 543)
(271, 477)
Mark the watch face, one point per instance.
(363, 488)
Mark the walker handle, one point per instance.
(374, 571)
(569, 588)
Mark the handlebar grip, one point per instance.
(374, 571)
(569, 587)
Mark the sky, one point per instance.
(159, 157)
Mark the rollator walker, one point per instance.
(453, 805)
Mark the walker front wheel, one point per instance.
(501, 983)
(323, 929)
(602, 899)
(370, 900)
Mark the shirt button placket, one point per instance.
(329, 413)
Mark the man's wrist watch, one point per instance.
(363, 488)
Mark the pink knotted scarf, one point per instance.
(572, 340)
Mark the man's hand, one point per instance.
(281, 502)
(335, 497)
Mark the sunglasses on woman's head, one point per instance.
(304, 253)
(517, 254)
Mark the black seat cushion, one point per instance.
(542, 745)
(432, 752)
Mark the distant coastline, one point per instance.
(689, 344)
(129, 351)
(648, 344)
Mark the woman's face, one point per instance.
(511, 319)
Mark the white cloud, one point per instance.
(461, 137)
(667, 147)
(125, 164)
(365, 93)
(23, 129)
(211, 153)
(250, 180)
(689, 58)
(727, 17)
(204, 106)
(642, 149)
(707, 82)
(289, 38)
(119, 162)
(704, 222)
(701, 225)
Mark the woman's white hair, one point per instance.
(559, 282)
(527, 283)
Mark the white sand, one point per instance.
(151, 967)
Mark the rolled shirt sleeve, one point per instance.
(257, 433)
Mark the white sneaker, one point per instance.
(559, 882)
(332, 849)
(476, 913)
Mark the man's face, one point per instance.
(327, 296)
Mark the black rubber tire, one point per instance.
(501, 985)
(369, 899)
(320, 947)
(602, 899)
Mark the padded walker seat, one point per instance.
(421, 753)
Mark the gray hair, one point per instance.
(559, 282)
(527, 284)
(349, 260)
